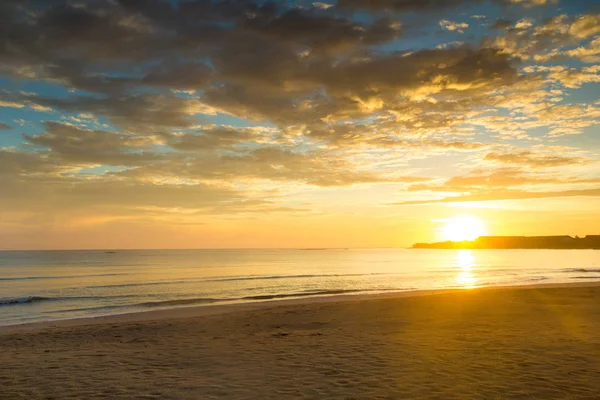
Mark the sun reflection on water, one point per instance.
(466, 261)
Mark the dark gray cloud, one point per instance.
(141, 114)
(439, 67)
(189, 75)
(340, 89)
(14, 164)
(214, 138)
(319, 31)
(74, 145)
(425, 5)
(502, 24)
(403, 5)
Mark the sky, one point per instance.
(348, 123)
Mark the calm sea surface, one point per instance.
(51, 285)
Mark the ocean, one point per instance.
(54, 285)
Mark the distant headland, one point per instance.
(518, 242)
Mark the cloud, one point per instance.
(505, 183)
(64, 194)
(531, 159)
(222, 137)
(267, 64)
(324, 6)
(28, 177)
(4, 126)
(500, 179)
(453, 26)
(502, 24)
(401, 5)
(189, 75)
(13, 164)
(150, 107)
(426, 5)
(571, 77)
(319, 32)
(213, 155)
(503, 196)
(587, 54)
(72, 144)
(585, 26)
(141, 114)
(554, 39)
(277, 164)
(531, 3)
(524, 23)
(11, 104)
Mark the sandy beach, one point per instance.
(522, 343)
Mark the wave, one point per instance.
(147, 304)
(11, 301)
(271, 277)
(584, 270)
(234, 279)
(586, 277)
(35, 278)
(126, 285)
(211, 300)
(23, 300)
(116, 309)
(180, 302)
(306, 294)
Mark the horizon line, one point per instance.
(218, 248)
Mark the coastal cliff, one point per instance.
(518, 242)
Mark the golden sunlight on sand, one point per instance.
(536, 343)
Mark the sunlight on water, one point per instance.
(466, 261)
(42, 285)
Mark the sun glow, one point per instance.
(462, 228)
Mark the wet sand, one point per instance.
(518, 343)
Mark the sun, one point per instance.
(462, 228)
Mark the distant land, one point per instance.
(518, 242)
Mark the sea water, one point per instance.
(52, 285)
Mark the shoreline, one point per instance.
(534, 341)
(185, 312)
